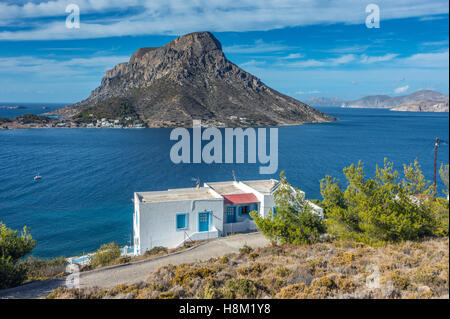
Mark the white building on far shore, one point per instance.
(169, 218)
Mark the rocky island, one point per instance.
(188, 78)
(419, 101)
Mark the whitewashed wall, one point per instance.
(157, 222)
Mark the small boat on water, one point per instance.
(37, 177)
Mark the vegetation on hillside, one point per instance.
(111, 109)
(294, 220)
(380, 237)
(14, 269)
(13, 246)
(340, 269)
(386, 208)
(34, 119)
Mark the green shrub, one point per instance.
(381, 209)
(40, 269)
(239, 288)
(209, 292)
(295, 222)
(282, 272)
(13, 246)
(245, 250)
(105, 255)
(443, 172)
(156, 250)
(439, 210)
(11, 274)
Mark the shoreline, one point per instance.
(161, 127)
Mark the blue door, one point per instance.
(231, 214)
(204, 221)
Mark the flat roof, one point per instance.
(265, 186)
(175, 195)
(226, 188)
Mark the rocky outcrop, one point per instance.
(423, 106)
(190, 78)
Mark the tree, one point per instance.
(443, 172)
(380, 209)
(13, 246)
(293, 221)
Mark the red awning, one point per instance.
(240, 199)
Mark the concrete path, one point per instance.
(140, 271)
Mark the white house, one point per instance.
(169, 218)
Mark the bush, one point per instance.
(40, 269)
(443, 172)
(13, 246)
(245, 250)
(105, 255)
(294, 222)
(240, 288)
(384, 208)
(11, 274)
(156, 250)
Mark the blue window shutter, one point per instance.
(181, 221)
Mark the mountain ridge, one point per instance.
(189, 78)
(418, 101)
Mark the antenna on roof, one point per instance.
(234, 175)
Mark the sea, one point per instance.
(84, 198)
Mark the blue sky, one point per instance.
(302, 48)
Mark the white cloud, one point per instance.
(427, 60)
(436, 43)
(419, 60)
(252, 63)
(177, 17)
(343, 59)
(308, 92)
(373, 59)
(258, 47)
(293, 56)
(401, 89)
(42, 66)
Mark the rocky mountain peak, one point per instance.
(204, 41)
(190, 78)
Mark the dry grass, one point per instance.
(327, 270)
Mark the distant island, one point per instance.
(188, 78)
(12, 107)
(419, 101)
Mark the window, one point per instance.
(245, 210)
(182, 221)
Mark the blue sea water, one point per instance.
(30, 108)
(89, 175)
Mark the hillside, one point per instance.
(423, 106)
(326, 270)
(420, 101)
(325, 101)
(188, 78)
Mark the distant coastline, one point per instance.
(12, 107)
(419, 101)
